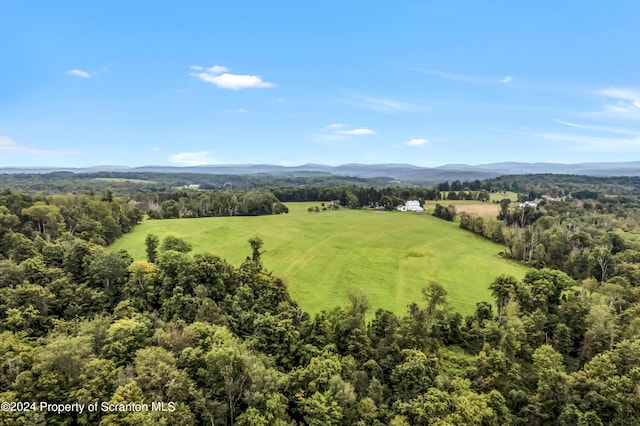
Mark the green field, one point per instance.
(121, 180)
(390, 256)
(498, 196)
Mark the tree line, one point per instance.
(99, 219)
(193, 204)
(585, 239)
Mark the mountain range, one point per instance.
(402, 172)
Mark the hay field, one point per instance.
(322, 256)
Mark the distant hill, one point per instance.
(401, 172)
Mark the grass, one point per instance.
(479, 208)
(121, 180)
(390, 256)
(498, 196)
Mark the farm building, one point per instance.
(411, 206)
(528, 204)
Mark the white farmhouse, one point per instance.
(528, 204)
(411, 206)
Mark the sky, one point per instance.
(182, 83)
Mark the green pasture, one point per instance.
(121, 180)
(499, 196)
(322, 256)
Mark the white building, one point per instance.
(528, 204)
(411, 206)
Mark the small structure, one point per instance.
(528, 204)
(411, 206)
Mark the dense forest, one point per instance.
(220, 344)
(133, 182)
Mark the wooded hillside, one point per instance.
(227, 345)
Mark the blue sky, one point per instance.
(187, 82)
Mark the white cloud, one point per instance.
(196, 68)
(219, 76)
(417, 142)
(625, 94)
(612, 128)
(595, 143)
(579, 126)
(623, 110)
(462, 78)
(192, 158)
(355, 132)
(336, 126)
(341, 131)
(79, 73)
(217, 69)
(621, 130)
(8, 144)
(625, 107)
(237, 81)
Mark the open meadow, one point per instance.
(123, 180)
(479, 208)
(322, 256)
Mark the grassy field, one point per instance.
(498, 196)
(486, 209)
(390, 256)
(479, 208)
(121, 180)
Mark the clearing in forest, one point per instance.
(322, 256)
